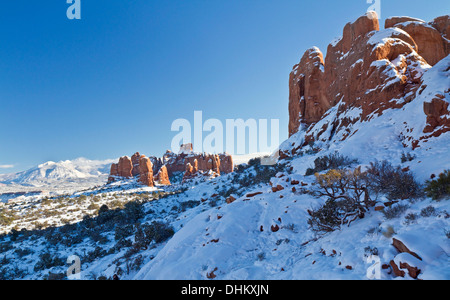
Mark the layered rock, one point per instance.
(145, 176)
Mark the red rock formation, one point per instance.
(186, 148)
(114, 173)
(442, 24)
(432, 46)
(146, 171)
(135, 161)
(162, 178)
(226, 163)
(366, 70)
(125, 167)
(171, 163)
(400, 246)
(189, 172)
(307, 99)
(438, 114)
(392, 21)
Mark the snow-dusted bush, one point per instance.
(428, 211)
(392, 181)
(332, 161)
(347, 199)
(395, 211)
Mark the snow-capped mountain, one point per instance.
(53, 174)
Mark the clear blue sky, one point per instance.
(112, 83)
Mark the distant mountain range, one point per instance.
(81, 171)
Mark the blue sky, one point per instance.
(113, 82)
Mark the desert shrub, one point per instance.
(411, 218)
(93, 206)
(97, 237)
(392, 181)
(188, 204)
(23, 252)
(122, 232)
(331, 161)
(6, 217)
(347, 199)
(47, 261)
(395, 211)
(440, 187)
(133, 211)
(428, 211)
(157, 231)
(91, 256)
(265, 172)
(261, 256)
(6, 246)
(407, 157)
(371, 251)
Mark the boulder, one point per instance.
(400, 246)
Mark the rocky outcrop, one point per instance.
(430, 38)
(145, 176)
(364, 73)
(226, 163)
(438, 114)
(204, 162)
(392, 21)
(138, 166)
(190, 171)
(442, 24)
(125, 167)
(114, 173)
(162, 177)
(307, 99)
(192, 164)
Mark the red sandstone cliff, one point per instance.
(368, 70)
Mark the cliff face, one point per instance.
(366, 72)
(143, 168)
